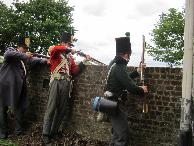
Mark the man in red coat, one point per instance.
(63, 68)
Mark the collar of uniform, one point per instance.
(120, 60)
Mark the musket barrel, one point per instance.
(77, 52)
(40, 55)
(145, 102)
(97, 61)
(92, 59)
(142, 61)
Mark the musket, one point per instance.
(40, 55)
(80, 53)
(142, 63)
(77, 52)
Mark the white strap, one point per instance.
(23, 65)
(61, 64)
(66, 64)
(109, 72)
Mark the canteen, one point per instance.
(101, 104)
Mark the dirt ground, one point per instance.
(33, 137)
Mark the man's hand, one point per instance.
(73, 51)
(48, 61)
(145, 89)
(87, 58)
(29, 54)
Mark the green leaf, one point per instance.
(167, 38)
(44, 19)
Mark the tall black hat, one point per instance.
(67, 38)
(24, 42)
(123, 45)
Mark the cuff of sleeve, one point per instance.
(68, 50)
(81, 65)
(44, 61)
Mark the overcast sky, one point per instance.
(99, 22)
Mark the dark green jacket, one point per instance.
(121, 79)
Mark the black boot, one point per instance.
(58, 135)
(3, 135)
(46, 139)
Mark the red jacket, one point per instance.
(55, 59)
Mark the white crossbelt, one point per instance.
(23, 65)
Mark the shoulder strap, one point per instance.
(61, 64)
(23, 65)
(110, 71)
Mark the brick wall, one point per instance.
(158, 127)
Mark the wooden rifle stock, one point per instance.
(92, 59)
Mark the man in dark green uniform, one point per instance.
(118, 80)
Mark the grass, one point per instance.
(7, 143)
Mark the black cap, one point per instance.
(67, 38)
(123, 45)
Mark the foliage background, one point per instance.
(45, 20)
(168, 38)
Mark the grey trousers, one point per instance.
(120, 129)
(57, 106)
(3, 121)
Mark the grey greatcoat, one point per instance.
(13, 78)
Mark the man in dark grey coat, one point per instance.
(13, 85)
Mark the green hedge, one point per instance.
(7, 143)
(1, 59)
